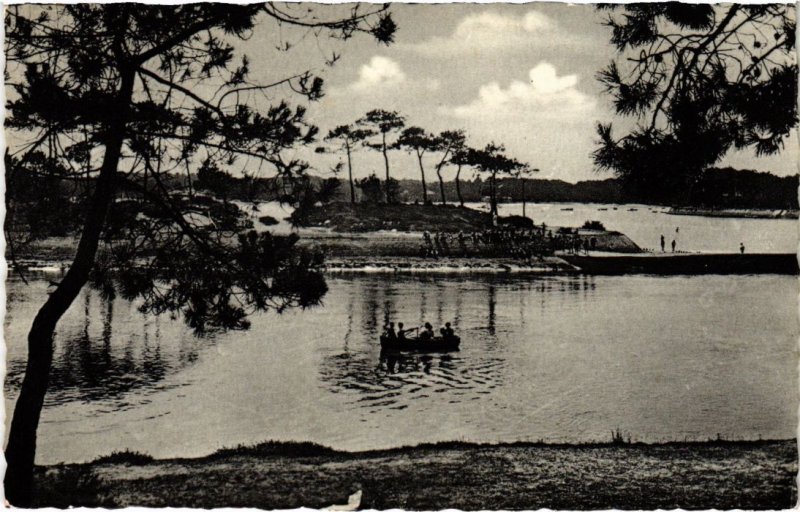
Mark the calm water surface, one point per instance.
(556, 358)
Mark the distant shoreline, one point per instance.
(734, 213)
(364, 238)
(466, 476)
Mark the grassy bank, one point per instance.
(722, 475)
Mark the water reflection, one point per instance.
(374, 378)
(106, 350)
(395, 380)
(559, 358)
(103, 356)
(492, 305)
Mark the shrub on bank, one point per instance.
(516, 221)
(594, 224)
(125, 457)
(267, 220)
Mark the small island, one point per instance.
(428, 238)
(446, 238)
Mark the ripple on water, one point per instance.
(392, 379)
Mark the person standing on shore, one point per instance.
(741, 247)
(662, 243)
(673, 245)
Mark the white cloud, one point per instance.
(545, 121)
(486, 31)
(379, 73)
(489, 25)
(383, 79)
(545, 95)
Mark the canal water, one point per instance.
(558, 359)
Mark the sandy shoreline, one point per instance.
(697, 475)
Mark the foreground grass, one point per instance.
(721, 475)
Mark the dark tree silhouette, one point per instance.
(449, 143)
(384, 123)
(416, 140)
(117, 102)
(349, 138)
(214, 180)
(461, 157)
(492, 161)
(371, 189)
(701, 79)
(307, 194)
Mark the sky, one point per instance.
(522, 75)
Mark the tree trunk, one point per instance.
(439, 174)
(424, 185)
(458, 186)
(441, 187)
(21, 449)
(523, 197)
(350, 175)
(492, 195)
(386, 164)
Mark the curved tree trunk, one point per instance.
(350, 175)
(424, 184)
(439, 174)
(386, 164)
(458, 186)
(21, 449)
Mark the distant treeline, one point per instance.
(716, 188)
(731, 188)
(57, 214)
(536, 190)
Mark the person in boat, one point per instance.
(427, 332)
(401, 333)
(389, 331)
(448, 331)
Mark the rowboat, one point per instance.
(437, 344)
